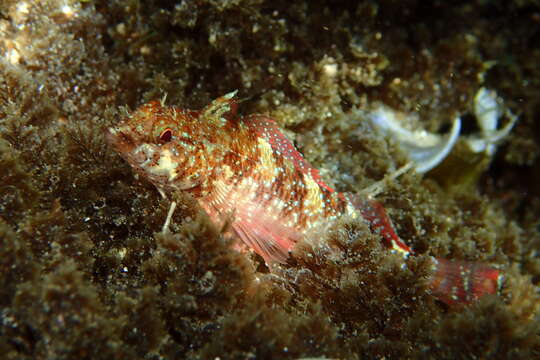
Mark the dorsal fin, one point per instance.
(268, 129)
(220, 109)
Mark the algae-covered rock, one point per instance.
(85, 271)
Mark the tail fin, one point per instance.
(453, 282)
(462, 282)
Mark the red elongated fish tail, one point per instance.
(463, 282)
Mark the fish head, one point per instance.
(166, 145)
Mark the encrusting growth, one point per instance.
(245, 169)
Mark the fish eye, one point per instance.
(166, 135)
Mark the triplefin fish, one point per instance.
(246, 167)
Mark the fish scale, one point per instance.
(244, 169)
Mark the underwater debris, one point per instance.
(488, 110)
(428, 150)
(247, 167)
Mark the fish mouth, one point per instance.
(126, 146)
(119, 140)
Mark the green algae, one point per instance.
(84, 272)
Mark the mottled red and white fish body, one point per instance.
(246, 170)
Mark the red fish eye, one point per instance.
(166, 135)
